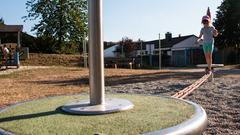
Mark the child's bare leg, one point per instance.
(210, 59)
(207, 57)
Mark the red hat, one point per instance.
(206, 18)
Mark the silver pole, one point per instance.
(141, 53)
(160, 53)
(122, 48)
(19, 38)
(85, 50)
(96, 61)
(18, 48)
(98, 104)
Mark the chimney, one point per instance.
(168, 36)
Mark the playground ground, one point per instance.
(220, 99)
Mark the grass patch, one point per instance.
(42, 117)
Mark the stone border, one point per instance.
(194, 126)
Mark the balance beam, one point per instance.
(213, 67)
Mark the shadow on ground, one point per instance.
(221, 73)
(121, 80)
(31, 116)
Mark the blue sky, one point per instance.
(133, 18)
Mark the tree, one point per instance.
(228, 23)
(63, 20)
(127, 46)
(1, 21)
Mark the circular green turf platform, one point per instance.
(44, 117)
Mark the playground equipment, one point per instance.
(13, 57)
(213, 67)
(97, 104)
(188, 90)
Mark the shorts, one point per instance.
(208, 47)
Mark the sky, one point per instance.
(136, 19)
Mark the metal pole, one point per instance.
(18, 49)
(96, 61)
(160, 53)
(97, 104)
(141, 53)
(150, 54)
(122, 48)
(85, 50)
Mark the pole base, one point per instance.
(111, 106)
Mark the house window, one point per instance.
(169, 53)
(150, 48)
(141, 52)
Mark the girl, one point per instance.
(208, 32)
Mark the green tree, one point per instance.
(228, 23)
(63, 20)
(1, 21)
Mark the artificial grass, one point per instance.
(43, 117)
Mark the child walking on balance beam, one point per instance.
(208, 32)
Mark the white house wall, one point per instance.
(188, 43)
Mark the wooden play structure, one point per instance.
(12, 58)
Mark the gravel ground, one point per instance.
(220, 99)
